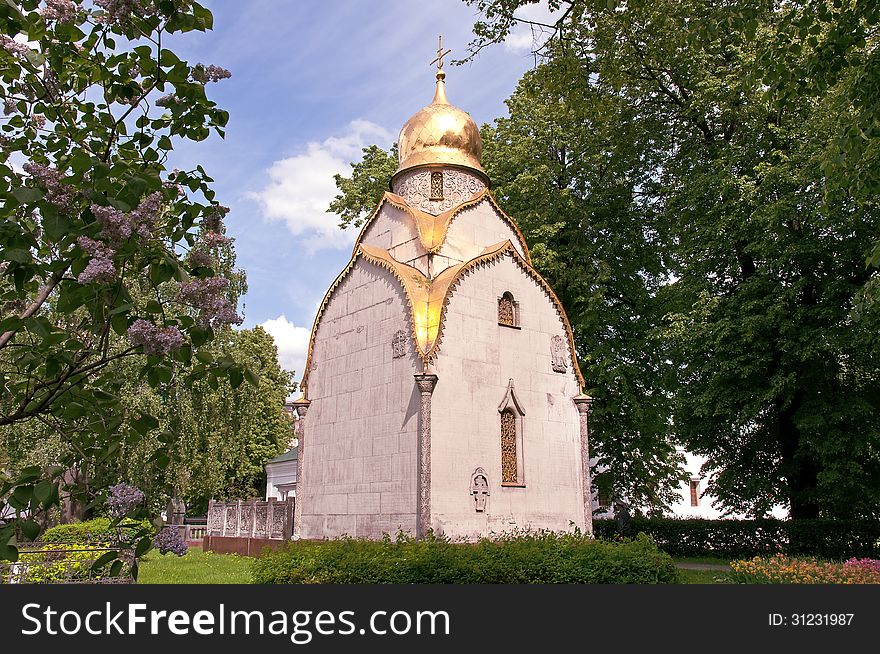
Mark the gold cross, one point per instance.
(440, 54)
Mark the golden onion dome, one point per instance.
(440, 134)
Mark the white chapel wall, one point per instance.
(477, 358)
(474, 229)
(359, 457)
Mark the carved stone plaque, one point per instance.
(399, 344)
(480, 489)
(559, 354)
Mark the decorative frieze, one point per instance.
(251, 518)
(419, 188)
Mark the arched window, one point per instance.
(508, 448)
(437, 185)
(511, 432)
(508, 310)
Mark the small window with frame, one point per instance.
(508, 311)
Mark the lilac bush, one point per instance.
(155, 339)
(124, 499)
(169, 540)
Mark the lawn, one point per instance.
(196, 567)
(199, 567)
(695, 573)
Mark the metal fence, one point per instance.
(61, 563)
(251, 518)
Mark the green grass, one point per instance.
(713, 560)
(703, 577)
(197, 567)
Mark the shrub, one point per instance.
(781, 569)
(58, 562)
(823, 538)
(518, 558)
(91, 531)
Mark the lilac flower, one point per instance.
(169, 540)
(64, 11)
(167, 100)
(38, 121)
(12, 46)
(62, 195)
(119, 11)
(213, 220)
(208, 296)
(9, 106)
(198, 257)
(98, 271)
(124, 499)
(144, 216)
(214, 239)
(204, 74)
(154, 339)
(115, 225)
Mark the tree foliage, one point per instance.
(103, 250)
(761, 148)
(698, 182)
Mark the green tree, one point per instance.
(93, 102)
(765, 241)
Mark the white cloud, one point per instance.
(301, 187)
(292, 343)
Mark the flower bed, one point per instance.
(782, 569)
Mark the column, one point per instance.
(584, 403)
(301, 406)
(425, 383)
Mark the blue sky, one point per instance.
(313, 82)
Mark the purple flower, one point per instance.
(208, 295)
(38, 121)
(214, 239)
(123, 500)
(204, 74)
(146, 214)
(62, 195)
(167, 101)
(64, 11)
(169, 540)
(198, 257)
(98, 271)
(155, 339)
(9, 106)
(12, 46)
(115, 225)
(213, 220)
(119, 11)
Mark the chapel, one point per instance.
(441, 392)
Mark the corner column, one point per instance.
(426, 383)
(301, 406)
(584, 403)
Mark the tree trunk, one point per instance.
(799, 468)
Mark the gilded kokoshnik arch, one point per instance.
(428, 298)
(432, 229)
(438, 316)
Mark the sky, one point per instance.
(313, 82)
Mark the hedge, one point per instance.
(90, 531)
(824, 538)
(530, 558)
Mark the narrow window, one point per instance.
(437, 185)
(507, 311)
(508, 448)
(695, 496)
(511, 431)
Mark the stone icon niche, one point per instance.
(480, 489)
